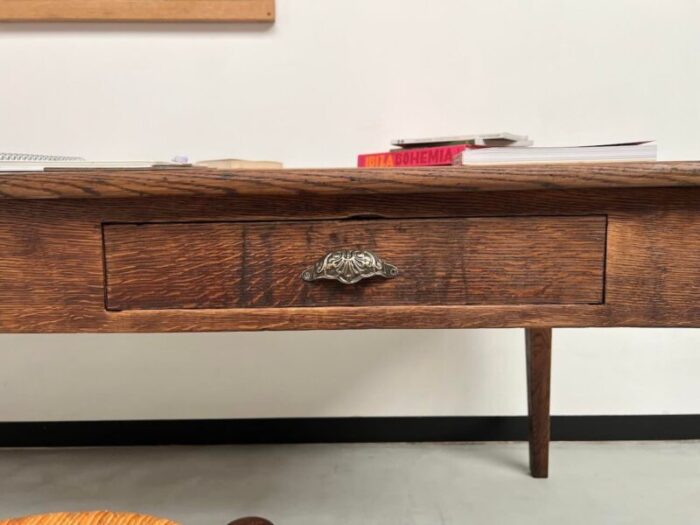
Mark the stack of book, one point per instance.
(437, 151)
(499, 148)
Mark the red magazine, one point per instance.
(436, 156)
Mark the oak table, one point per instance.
(192, 249)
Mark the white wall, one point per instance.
(328, 80)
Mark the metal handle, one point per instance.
(349, 267)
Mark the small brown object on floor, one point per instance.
(251, 521)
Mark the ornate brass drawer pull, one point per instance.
(349, 267)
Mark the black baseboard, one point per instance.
(341, 430)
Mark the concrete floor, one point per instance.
(406, 484)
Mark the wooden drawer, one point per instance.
(502, 260)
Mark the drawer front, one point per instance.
(502, 260)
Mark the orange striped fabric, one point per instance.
(88, 518)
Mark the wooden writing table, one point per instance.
(189, 249)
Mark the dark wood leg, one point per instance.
(538, 348)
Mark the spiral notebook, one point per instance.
(10, 162)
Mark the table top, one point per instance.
(196, 181)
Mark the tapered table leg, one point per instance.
(538, 348)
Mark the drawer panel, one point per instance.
(499, 260)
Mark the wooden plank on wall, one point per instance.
(137, 10)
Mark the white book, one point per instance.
(482, 139)
(633, 151)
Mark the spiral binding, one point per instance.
(31, 157)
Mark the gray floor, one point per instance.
(616, 483)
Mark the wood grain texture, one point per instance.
(301, 183)
(538, 354)
(137, 10)
(506, 260)
(52, 280)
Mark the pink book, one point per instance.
(435, 156)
